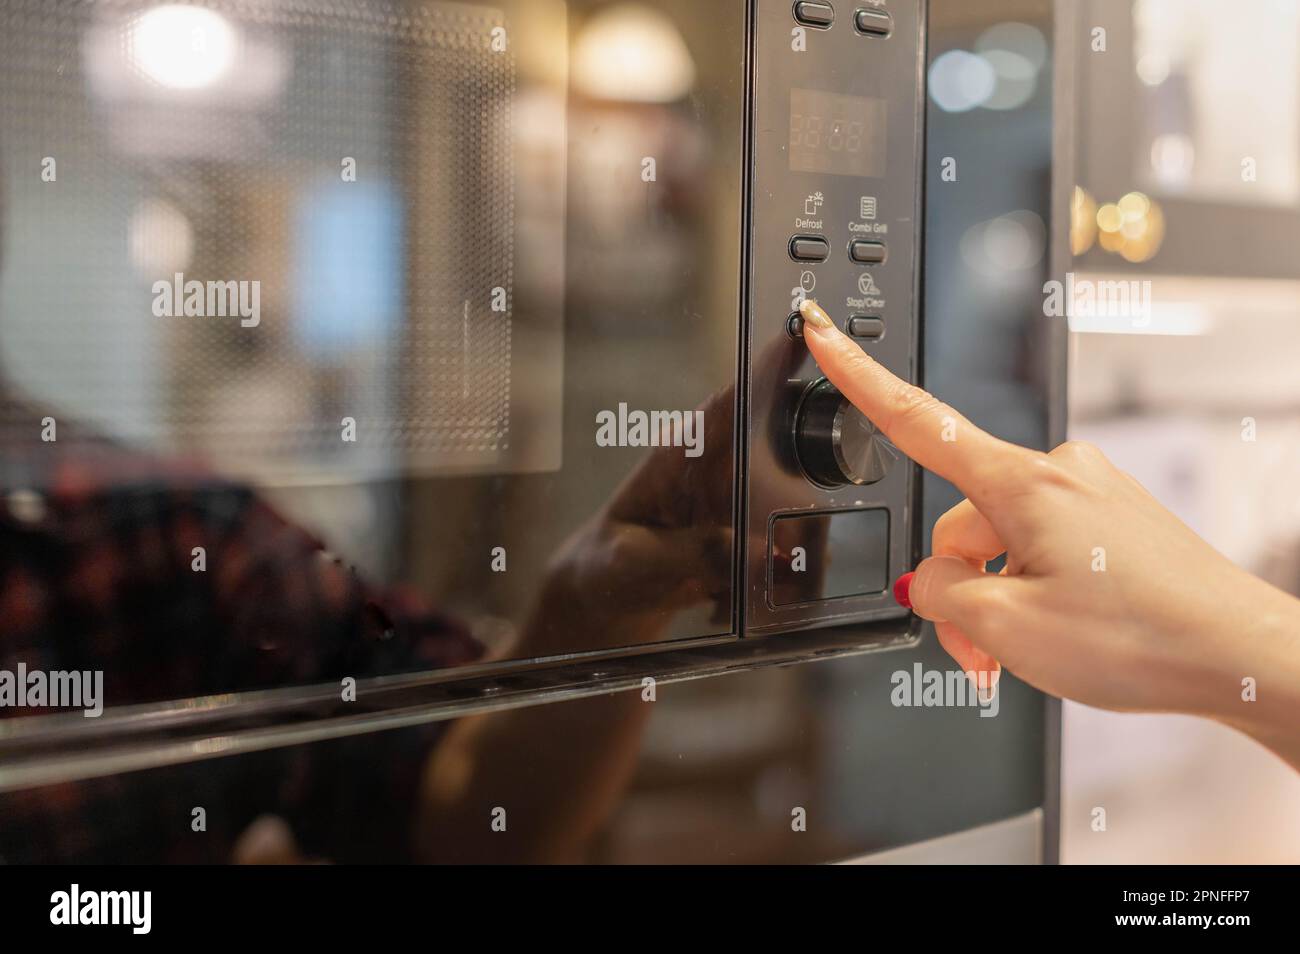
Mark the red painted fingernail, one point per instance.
(903, 589)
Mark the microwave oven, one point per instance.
(448, 350)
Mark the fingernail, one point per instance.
(815, 315)
(985, 684)
(903, 589)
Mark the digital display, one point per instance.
(837, 134)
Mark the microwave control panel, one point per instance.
(835, 215)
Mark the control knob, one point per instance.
(836, 443)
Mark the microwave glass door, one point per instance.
(356, 339)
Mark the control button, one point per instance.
(825, 556)
(865, 326)
(794, 325)
(819, 15)
(809, 248)
(873, 22)
(836, 443)
(867, 253)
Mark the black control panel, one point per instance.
(835, 216)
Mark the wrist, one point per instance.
(1257, 684)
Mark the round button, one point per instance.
(836, 443)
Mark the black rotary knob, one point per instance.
(836, 443)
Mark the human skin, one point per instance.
(1107, 598)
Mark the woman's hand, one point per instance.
(1107, 598)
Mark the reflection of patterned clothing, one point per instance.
(97, 572)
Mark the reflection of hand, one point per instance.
(1107, 597)
(268, 840)
(664, 541)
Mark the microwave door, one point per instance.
(608, 523)
(356, 345)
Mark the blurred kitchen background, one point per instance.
(1178, 137)
(1187, 152)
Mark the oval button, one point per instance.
(809, 248)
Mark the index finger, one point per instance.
(919, 424)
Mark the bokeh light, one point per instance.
(1083, 221)
(1132, 227)
(182, 47)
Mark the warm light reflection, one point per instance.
(1133, 227)
(1109, 217)
(1083, 221)
(182, 47)
(633, 54)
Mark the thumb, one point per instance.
(948, 589)
(267, 841)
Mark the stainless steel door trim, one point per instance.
(1011, 841)
(45, 750)
(1066, 32)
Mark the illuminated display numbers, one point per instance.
(811, 133)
